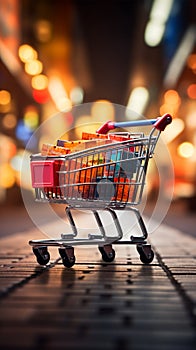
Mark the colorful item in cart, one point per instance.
(80, 145)
(118, 136)
(110, 189)
(124, 189)
(92, 169)
(45, 173)
(93, 136)
(52, 150)
(75, 146)
(89, 178)
(123, 163)
(104, 188)
(90, 173)
(62, 148)
(65, 147)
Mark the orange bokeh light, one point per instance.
(172, 97)
(191, 91)
(191, 62)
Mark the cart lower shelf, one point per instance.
(105, 243)
(40, 250)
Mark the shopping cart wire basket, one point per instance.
(109, 176)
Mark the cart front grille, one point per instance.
(108, 175)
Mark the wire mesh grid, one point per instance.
(111, 174)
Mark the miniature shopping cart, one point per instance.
(109, 176)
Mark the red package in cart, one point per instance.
(45, 175)
(120, 137)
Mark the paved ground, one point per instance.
(14, 218)
(123, 305)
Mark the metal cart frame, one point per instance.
(118, 169)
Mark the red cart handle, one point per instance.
(159, 124)
(162, 122)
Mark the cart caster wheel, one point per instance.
(146, 253)
(68, 257)
(42, 255)
(107, 252)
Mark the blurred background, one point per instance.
(55, 55)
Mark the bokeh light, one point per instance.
(43, 30)
(33, 67)
(191, 120)
(64, 104)
(7, 176)
(41, 96)
(137, 102)
(154, 33)
(39, 82)
(59, 94)
(21, 160)
(172, 97)
(172, 102)
(155, 27)
(191, 91)
(31, 117)
(7, 148)
(5, 97)
(77, 95)
(27, 53)
(172, 132)
(191, 62)
(102, 110)
(84, 122)
(23, 132)
(186, 150)
(9, 121)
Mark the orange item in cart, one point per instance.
(52, 150)
(92, 136)
(85, 177)
(69, 178)
(124, 189)
(73, 146)
(66, 147)
(80, 145)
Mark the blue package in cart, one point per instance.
(121, 163)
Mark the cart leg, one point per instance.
(107, 252)
(100, 225)
(137, 239)
(66, 236)
(67, 255)
(116, 222)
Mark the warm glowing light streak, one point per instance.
(155, 27)
(59, 94)
(137, 102)
(180, 58)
